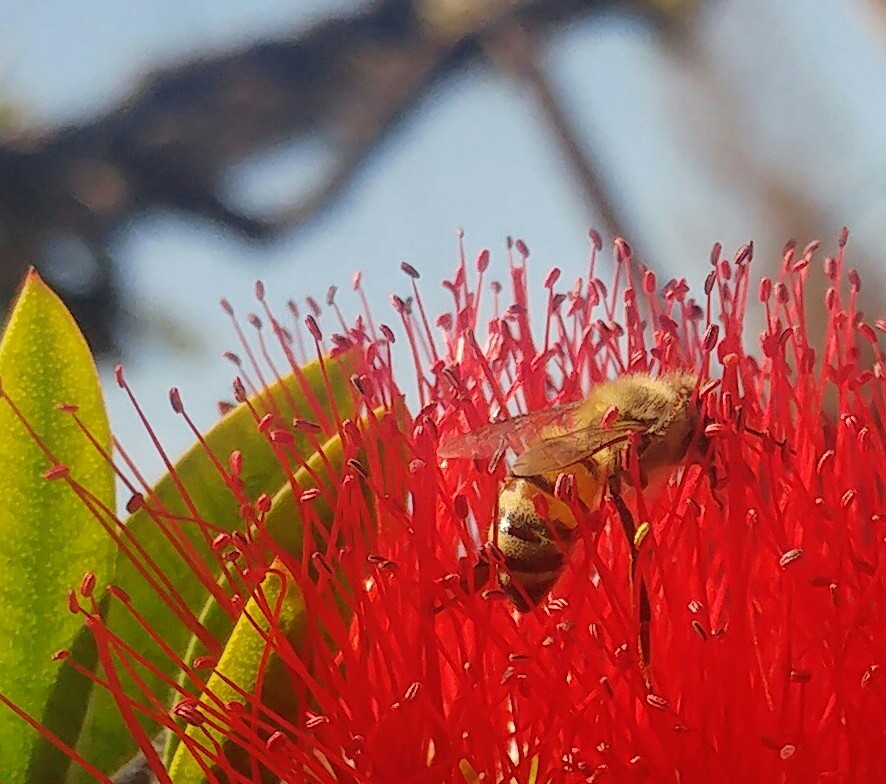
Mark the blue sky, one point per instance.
(810, 79)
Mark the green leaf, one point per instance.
(106, 741)
(50, 538)
(247, 656)
(284, 524)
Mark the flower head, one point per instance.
(392, 652)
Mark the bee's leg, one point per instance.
(644, 606)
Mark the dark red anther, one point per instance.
(399, 304)
(765, 290)
(412, 691)
(68, 408)
(259, 291)
(239, 390)
(649, 282)
(316, 721)
(716, 250)
(745, 254)
(136, 501)
(709, 282)
(541, 506)
(73, 603)
(623, 251)
(830, 298)
(119, 594)
(87, 585)
(57, 471)
(205, 662)
(175, 400)
(231, 357)
(711, 335)
(657, 702)
(221, 542)
(262, 505)
(283, 437)
(387, 333)
(313, 327)
(309, 495)
(321, 563)
(482, 260)
(357, 466)
(118, 376)
(330, 295)
(552, 277)
(306, 426)
(356, 280)
(843, 238)
(444, 321)
(188, 712)
(350, 429)
(60, 655)
(830, 267)
(313, 306)
(782, 295)
(239, 540)
(522, 248)
(460, 506)
(789, 557)
(854, 279)
(409, 270)
(266, 423)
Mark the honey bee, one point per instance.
(659, 417)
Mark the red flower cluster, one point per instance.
(765, 564)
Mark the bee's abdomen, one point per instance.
(534, 549)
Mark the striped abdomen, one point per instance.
(535, 549)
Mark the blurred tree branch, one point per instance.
(348, 81)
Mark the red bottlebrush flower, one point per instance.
(761, 559)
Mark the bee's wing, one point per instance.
(515, 433)
(558, 452)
